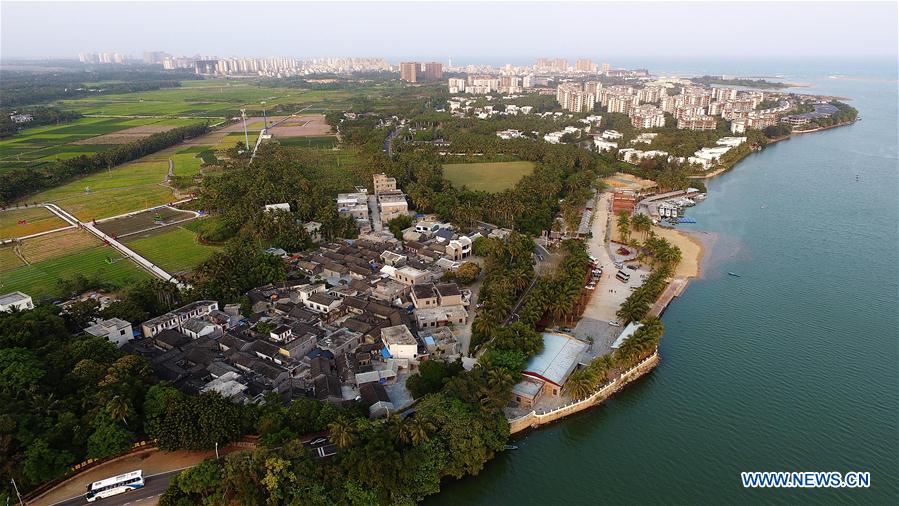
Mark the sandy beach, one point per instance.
(692, 250)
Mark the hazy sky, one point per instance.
(467, 32)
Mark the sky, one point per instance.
(468, 32)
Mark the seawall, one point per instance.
(534, 419)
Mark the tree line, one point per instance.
(19, 183)
(40, 116)
(26, 88)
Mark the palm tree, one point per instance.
(119, 408)
(623, 226)
(633, 308)
(419, 430)
(580, 384)
(498, 377)
(396, 426)
(641, 223)
(342, 432)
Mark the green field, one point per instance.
(308, 142)
(38, 219)
(207, 98)
(175, 249)
(40, 279)
(186, 164)
(489, 177)
(36, 146)
(128, 187)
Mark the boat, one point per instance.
(734, 274)
(510, 447)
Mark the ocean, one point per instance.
(793, 366)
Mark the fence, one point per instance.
(535, 419)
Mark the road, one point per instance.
(610, 292)
(154, 486)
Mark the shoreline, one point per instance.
(722, 170)
(694, 246)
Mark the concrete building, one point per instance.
(456, 85)
(392, 204)
(175, 319)
(16, 301)
(433, 71)
(585, 65)
(383, 183)
(647, 116)
(400, 342)
(697, 123)
(547, 372)
(117, 331)
(409, 71)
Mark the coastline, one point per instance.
(775, 140)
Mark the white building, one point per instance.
(16, 300)
(604, 145)
(612, 135)
(117, 331)
(400, 342)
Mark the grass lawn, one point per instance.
(40, 279)
(175, 249)
(186, 164)
(39, 220)
(489, 177)
(128, 187)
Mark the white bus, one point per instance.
(623, 275)
(114, 486)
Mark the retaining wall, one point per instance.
(535, 419)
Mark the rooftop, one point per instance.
(558, 359)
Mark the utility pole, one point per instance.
(264, 118)
(216, 450)
(21, 502)
(246, 136)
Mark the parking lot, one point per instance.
(610, 292)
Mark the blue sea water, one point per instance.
(794, 366)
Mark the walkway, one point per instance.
(126, 251)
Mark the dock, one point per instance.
(674, 289)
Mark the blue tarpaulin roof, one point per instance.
(386, 353)
(429, 340)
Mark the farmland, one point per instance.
(175, 249)
(308, 142)
(198, 99)
(489, 177)
(121, 227)
(128, 187)
(86, 136)
(38, 219)
(40, 278)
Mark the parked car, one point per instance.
(632, 267)
(591, 286)
(614, 323)
(619, 265)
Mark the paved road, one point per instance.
(154, 486)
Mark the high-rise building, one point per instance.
(433, 71)
(584, 65)
(155, 57)
(606, 68)
(409, 71)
